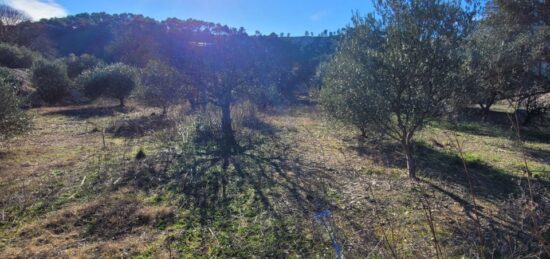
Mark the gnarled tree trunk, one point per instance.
(227, 129)
(408, 148)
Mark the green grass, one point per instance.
(189, 199)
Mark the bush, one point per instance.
(115, 81)
(7, 76)
(16, 57)
(161, 86)
(12, 119)
(78, 64)
(50, 79)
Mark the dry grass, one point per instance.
(64, 195)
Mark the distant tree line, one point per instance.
(162, 63)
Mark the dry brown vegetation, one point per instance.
(73, 187)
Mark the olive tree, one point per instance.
(50, 79)
(503, 61)
(161, 86)
(343, 80)
(114, 81)
(16, 57)
(523, 28)
(13, 120)
(405, 64)
(229, 70)
(78, 64)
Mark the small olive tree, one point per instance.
(161, 86)
(343, 78)
(399, 68)
(113, 81)
(13, 120)
(78, 64)
(16, 57)
(498, 64)
(517, 35)
(51, 80)
(229, 70)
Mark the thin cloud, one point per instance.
(38, 9)
(318, 15)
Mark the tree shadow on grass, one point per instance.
(137, 127)
(260, 126)
(498, 124)
(258, 194)
(486, 180)
(432, 163)
(87, 112)
(543, 156)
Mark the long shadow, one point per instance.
(487, 181)
(441, 170)
(472, 114)
(137, 127)
(540, 155)
(257, 179)
(260, 126)
(83, 113)
(498, 124)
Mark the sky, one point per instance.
(266, 16)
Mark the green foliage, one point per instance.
(342, 97)
(78, 64)
(397, 71)
(161, 85)
(51, 80)
(508, 55)
(12, 119)
(16, 57)
(114, 81)
(7, 76)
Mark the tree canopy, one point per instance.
(399, 68)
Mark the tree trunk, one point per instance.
(363, 132)
(485, 109)
(193, 104)
(409, 155)
(227, 129)
(121, 102)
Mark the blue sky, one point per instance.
(289, 16)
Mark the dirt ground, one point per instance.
(300, 186)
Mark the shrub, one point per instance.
(115, 81)
(388, 74)
(16, 57)
(78, 64)
(50, 79)
(161, 86)
(12, 119)
(7, 76)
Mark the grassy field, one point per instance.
(93, 181)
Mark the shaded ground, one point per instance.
(298, 186)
